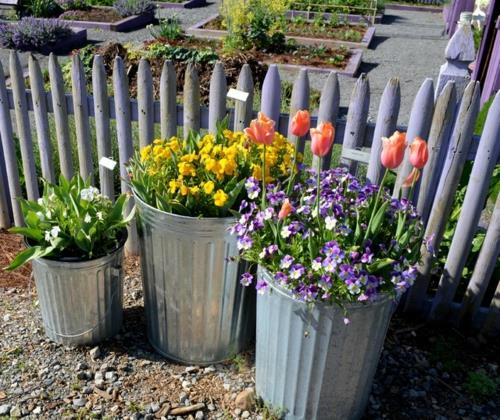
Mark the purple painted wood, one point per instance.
(418, 126)
(5, 208)
(168, 107)
(243, 111)
(126, 24)
(190, 4)
(448, 183)
(483, 55)
(271, 93)
(145, 99)
(217, 101)
(492, 79)
(458, 7)
(76, 40)
(387, 117)
(191, 101)
(477, 190)
(299, 101)
(356, 119)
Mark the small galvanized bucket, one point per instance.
(196, 310)
(309, 363)
(81, 301)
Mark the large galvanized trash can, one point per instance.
(309, 363)
(81, 301)
(197, 312)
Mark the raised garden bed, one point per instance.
(355, 36)
(189, 4)
(413, 7)
(311, 15)
(105, 18)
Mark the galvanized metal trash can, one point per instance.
(81, 301)
(197, 312)
(309, 363)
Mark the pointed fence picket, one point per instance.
(359, 138)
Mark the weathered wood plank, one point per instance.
(484, 268)
(145, 101)
(9, 153)
(418, 125)
(443, 202)
(492, 322)
(191, 101)
(102, 124)
(82, 126)
(5, 208)
(475, 196)
(270, 102)
(356, 119)
(387, 118)
(217, 97)
(168, 107)
(329, 104)
(442, 122)
(39, 99)
(243, 110)
(125, 144)
(299, 101)
(23, 126)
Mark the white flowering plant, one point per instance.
(72, 221)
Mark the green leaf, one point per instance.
(29, 254)
(357, 232)
(379, 265)
(28, 232)
(234, 193)
(377, 220)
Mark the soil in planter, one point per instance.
(306, 28)
(93, 14)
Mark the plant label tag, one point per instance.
(237, 95)
(107, 163)
(357, 155)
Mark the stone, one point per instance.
(191, 369)
(37, 410)
(237, 411)
(95, 353)
(154, 407)
(98, 375)
(199, 415)
(211, 407)
(209, 369)
(80, 402)
(245, 400)
(104, 367)
(15, 412)
(186, 384)
(99, 383)
(4, 409)
(183, 397)
(245, 414)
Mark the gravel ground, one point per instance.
(425, 372)
(408, 45)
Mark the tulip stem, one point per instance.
(292, 172)
(375, 205)
(318, 192)
(264, 179)
(410, 194)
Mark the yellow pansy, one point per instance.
(184, 190)
(208, 187)
(220, 198)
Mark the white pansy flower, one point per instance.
(316, 265)
(330, 222)
(87, 218)
(285, 232)
(54, 232)
(99, 215)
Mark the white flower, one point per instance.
(40, 201)
(88, 194)
(47, 236)
(268, 213)
(48, 214)
(285, 232)
(316, 265)
(87, 218)
(99, 215)
(330, 222)
(354, 289)
(40, 216)
(54, 232)
(262, 254)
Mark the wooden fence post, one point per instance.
(217, 97)
(387, 119)
(270, 103)
(145, 99)
(459, 53)
(9, 153)
(124, 134)
(191, 101)
(484, 268)
(23, 126)
(475, 196)
(492, 322)
(329, 104)
(41, 119)
(447, 187)
(168, 106)
(418, 125)
(357, 115)
(102, 125)
(299, 101)
(60, 117)
(5, 209)
(243, 110)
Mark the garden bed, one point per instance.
(189, 4)
(303, 33)
(105, 18)
(351, 18)
(414, 7)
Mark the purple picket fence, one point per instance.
(432, 119)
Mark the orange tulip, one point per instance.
(393, 150)
(322, 139)
(411, 178)
(286, 209)
(419, 153)
(301, 123)
(261, 130)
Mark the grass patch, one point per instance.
(481, 118)
(479, 385)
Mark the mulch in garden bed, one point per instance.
(10, 245)
(94, 14)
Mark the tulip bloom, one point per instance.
(322, 139)
(286, 209)
(411, 178)
(419, 153)
(393, 150)
(261, 130)
(301, 123)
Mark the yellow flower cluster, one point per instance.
(201, 174)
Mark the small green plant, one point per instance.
(169, 29)
(177, 53)
(38, 8)
(267, 412)
(480, 385)
(240, 362)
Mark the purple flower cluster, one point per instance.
(32, 33)
(133, 7)
(322, 254)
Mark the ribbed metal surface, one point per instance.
(196, 309)
(309, 363)
(81, 302)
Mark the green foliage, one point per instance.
(169, 29)
(481, 118)
(39, 8)
(177, 53)
(480, 385)
(71, 220)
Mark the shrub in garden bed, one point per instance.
(353, 7)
